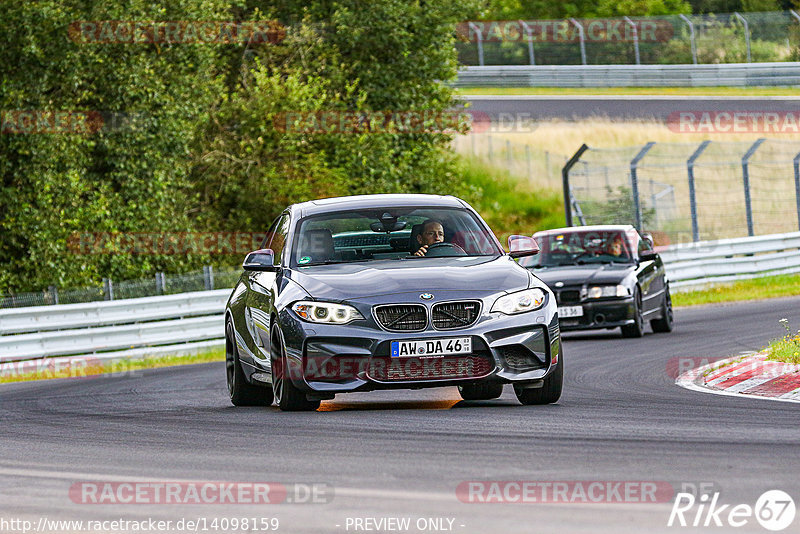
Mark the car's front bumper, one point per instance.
(597, 314)
(505, 348)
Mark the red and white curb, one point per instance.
(752, 375)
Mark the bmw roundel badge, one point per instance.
(426, 296)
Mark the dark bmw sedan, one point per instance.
(604, 277)
(389, 291)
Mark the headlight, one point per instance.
(597, 292)
(326, 312)
(519, 302)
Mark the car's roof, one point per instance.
(593, 228)
(326, 205)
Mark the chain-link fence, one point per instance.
(672, 39)
(541, 167)
(161, 284)
(685, 192)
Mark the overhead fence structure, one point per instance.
(662, 40)
(689, 192)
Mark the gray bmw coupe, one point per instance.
(389, 291)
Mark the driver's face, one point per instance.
(432, 233)
(615, 247)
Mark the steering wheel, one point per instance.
(438, 250)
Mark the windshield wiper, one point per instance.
(332, 262)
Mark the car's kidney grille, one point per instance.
(569, 296)
(450, 315)
(402, 317)
(445, 368)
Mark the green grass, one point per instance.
(119, 366)
(666, 91)
(786, 349)
(508, 204)
(756, 289)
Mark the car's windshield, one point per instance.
(390, 233)
(580, 247)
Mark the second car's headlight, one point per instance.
(326, 312)
(597, 292)
(519, 302)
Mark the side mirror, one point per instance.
(260, 261)
(648, 255)
(520, 246)
(649, 238)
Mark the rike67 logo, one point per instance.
(774, 510)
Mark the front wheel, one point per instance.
(667, 321)
(637, 328)
(550, 391)
(471, 392)
(287, 396)
(240, 392)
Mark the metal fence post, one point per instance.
(529, 31)
(53, 293)
(565, 182)
(635, 39)
(637, 207)
(692, 190)
(208, 277)
(489, 143)
(797, 184)
(508, 154)
(477, 30)
(582, 37)
(746, 34)
(692, 38)
(108, 288)
(746, 178)
(528, 159)
(160, 283)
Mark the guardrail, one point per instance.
(702, 263)
(140, 326)
(730, 74)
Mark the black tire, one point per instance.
(637, 328)
(287, 396)
(667, 321)
(549, 393)
(240, 392)
(471, 392)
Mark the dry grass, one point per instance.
(662, 174)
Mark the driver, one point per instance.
(432, 232)
(614, 247)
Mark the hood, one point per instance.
(357, 280)
(573, 275)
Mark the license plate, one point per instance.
(430, 348)
(570, 311)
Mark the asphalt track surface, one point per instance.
(403, 453)
(659, 108)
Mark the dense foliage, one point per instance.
(194, 144)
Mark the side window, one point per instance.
(277, 241)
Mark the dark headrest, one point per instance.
(318, 244)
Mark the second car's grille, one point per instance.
(450, 315)
(402, 317)
(569, 296)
